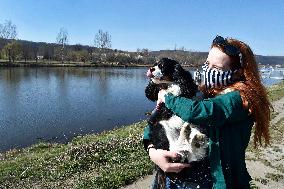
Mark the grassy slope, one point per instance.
(276, 92)
(108, 160)
(271, 163)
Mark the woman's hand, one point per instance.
(161, 158)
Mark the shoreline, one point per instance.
(78, 64)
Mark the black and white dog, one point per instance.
(168, 131)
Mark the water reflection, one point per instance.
(58, 103)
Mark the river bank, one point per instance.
(72, 64)
(66, 64)
(116, 158)
(111, 159)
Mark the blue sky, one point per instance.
(152, 24)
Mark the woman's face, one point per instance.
(218, 60)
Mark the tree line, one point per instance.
(13, 49)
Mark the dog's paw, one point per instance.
(182, 157)
(199, 140)
(174, 89)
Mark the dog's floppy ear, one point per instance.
(185, 81)
(151, 91)
(179, 74)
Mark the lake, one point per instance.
(56, 104)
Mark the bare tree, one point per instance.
(102, 40)
(62, 40)
(8, 30)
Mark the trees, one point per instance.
(78, 56)
(34, 49)
(102, 41)
(26, 51)
(9, 31)
(62, 40)
(48, 52)
(13, 50)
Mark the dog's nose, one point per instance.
(152, 69)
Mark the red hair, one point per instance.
(251, 89)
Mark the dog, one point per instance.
(168, 131)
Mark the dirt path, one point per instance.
(266, 167)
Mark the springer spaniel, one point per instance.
(168, 131)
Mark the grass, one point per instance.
(110, 159)
(276, 92)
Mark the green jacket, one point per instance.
(229, 127)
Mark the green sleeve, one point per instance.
(212, 111)
(146, 134)
(146, 137)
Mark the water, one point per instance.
(272, 76)
(270, 81)
(56, 104)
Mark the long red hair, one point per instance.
(251, 89)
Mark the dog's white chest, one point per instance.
(188, 141)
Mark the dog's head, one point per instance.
(168, 71)
(163, 71)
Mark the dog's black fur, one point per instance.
(172, 71)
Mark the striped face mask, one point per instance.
(214, 78)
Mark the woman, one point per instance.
(235, 101)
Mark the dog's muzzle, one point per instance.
(149, 73)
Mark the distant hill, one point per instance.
(31, 49)
(265, 60)
(271, 60)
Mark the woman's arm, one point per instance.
(213, 111)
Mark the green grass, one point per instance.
(276, 132)
(108, 160)
(276, 92)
